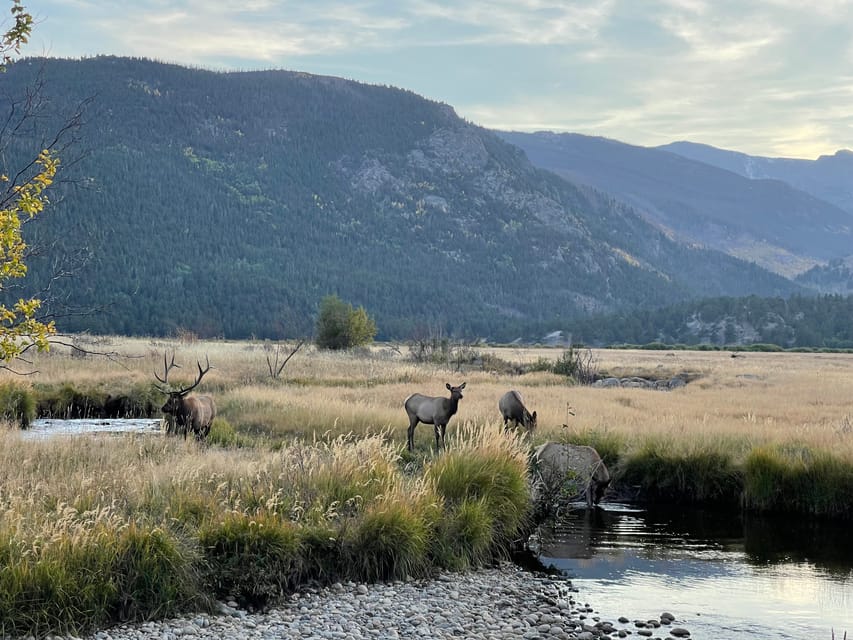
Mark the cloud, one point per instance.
(769, 75)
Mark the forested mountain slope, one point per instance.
(229, 204)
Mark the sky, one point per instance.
(765, 77)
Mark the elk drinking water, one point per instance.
(194, 413)
(512, 408)
(434, 411)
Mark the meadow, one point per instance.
(306, 477)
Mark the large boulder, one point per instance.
(562, 472)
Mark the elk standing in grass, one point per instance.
(512, 408)
(194, 413)
(434, 411)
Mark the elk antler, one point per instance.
(201, 373)
(167, 367)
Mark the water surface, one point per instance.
(723, 576)
(49, 427)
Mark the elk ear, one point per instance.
(462, 386)
(447, 384)
(534, 416)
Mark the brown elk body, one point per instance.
(193, 414)
(512, 408)
(434, 411)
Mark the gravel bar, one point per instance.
(495, 604)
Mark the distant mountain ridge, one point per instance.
(829, 178)
(229, 204)
(768, 221)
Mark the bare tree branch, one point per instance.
(274, 367)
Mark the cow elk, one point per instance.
(434, 411)
(512, 408)
(188, 413)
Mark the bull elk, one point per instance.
(190, 413)
(434, 411)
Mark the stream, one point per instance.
(723, 576)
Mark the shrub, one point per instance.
(541, 364)
(577, 364)
(69, 402)
(340, 326)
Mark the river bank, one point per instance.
(503, 602)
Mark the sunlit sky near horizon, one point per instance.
(766, 77)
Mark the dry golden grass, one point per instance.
(751, 399)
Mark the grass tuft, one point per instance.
(703, 474)
(254, 559)
(17, 404)
(489, 465)
(389, 541)
(798, 479)
(465, 538)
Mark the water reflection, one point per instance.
(727, 576)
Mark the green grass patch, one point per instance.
(491, 476)
(78, 584)
(254, 559)
(464, 538)
(389, 541)
(223, 434)
(17, 404)
(799, 480)
(701, 476)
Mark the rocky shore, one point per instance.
(492, 604)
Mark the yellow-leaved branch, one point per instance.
(19, 327)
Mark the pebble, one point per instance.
(499, 603)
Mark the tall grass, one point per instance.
(485, 466)
(17, 404)
(306, 477)
(799, 480)
(109, 529)
(703, 474)
(92, 576)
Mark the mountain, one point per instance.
(229, 204)
(769, 222)
(829, 178)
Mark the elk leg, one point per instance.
(410, 442)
